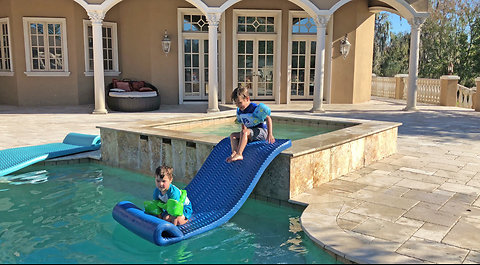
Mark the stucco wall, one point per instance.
(8, 84)
(351, 77)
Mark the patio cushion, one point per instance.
(133, 94)
(124, 85)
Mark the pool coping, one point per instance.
(361, 128)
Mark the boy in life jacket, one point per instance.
(170, 203)
(256, 123)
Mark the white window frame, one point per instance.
(181, 55)
(299, 37)
(6, 72)
(113, 26)
(28, 47)
(278, 44)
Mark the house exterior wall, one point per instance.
(8, 84)
(351, 77)
(141, 24)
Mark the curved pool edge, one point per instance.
(319, 222)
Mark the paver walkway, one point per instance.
(419, 205)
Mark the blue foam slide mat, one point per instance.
(14, 159)
(217, 192)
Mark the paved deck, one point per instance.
(419, 205)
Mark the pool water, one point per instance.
(63, 214)
(280, 130)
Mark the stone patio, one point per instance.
(420, 205)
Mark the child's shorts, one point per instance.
(258, 134)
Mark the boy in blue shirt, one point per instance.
(166, 190)
(256, 124)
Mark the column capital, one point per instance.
(417, 22)
(96, 16)
(321, 20)
(214, 19)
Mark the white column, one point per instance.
(328, 63)
(416, 24)
(213, 22)
(321, 21)
(97, 17)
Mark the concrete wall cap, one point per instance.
(450, 77)
(477, 79)
(401, 75)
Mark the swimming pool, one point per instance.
(62, 214)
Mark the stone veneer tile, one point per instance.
(167, 157)
(145, 161)
(128, 143)
(465, 234)
(341, 160)
(156, 152)
(179, 150)
(190, 163)
(358, 154)
(321, 167)
(372, 149)
(276, 183)
(302, 173)
(432, 251)
(109, 147)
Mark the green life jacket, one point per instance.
(173, 207)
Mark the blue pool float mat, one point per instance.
(14, 159)
(217, 192)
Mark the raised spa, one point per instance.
(323, 148)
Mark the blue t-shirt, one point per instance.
(249, 116)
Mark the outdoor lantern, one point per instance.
(166, 43)
(450, 68)
(345, 46)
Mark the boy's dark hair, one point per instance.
(240, 92)
(164, 171)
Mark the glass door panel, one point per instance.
(191, 68)
(265, 68)
(302, 69)
(245, 64)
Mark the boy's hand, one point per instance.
(271, 139)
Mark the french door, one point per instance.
(302, 72)
(256, 65)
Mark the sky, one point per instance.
(399, 24)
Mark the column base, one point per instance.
(320, 110)
(410, 109)
(213, 110)
(100, 111)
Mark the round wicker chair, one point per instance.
(132, 104)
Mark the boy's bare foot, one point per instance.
(237, 157)
(229, 159)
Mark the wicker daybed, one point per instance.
(133, 101)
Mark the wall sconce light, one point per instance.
(166, 43)
(345, 46)
(450, 68)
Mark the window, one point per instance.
(255, 24)
(5, 52)
(303, 25)
(110, 48)
(46, 46)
